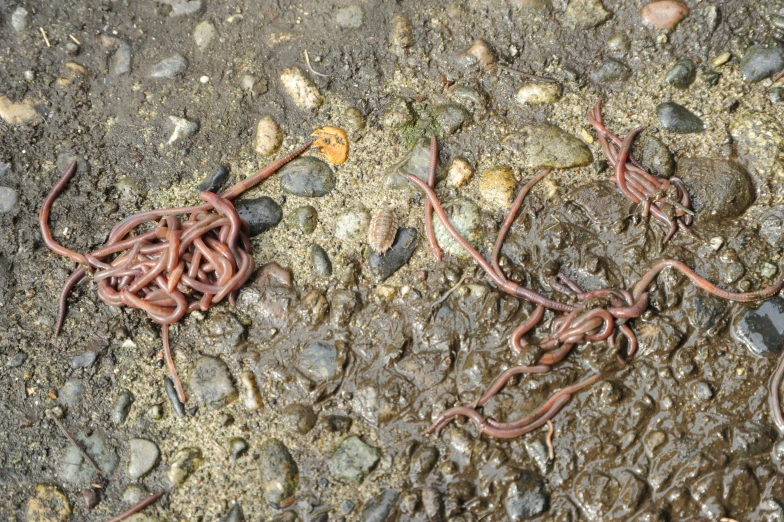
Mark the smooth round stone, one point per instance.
(305, 218)
(261, 213)
(664, 14)
(302, 91)
(538, 93)
(320, 360)
(215, 180)
(352, 226)
(383, 266)
(174, 399)
(720, 189)
(762, 330)
(183, 464)
(762, 60)
(204, 34)
(497, 186)
(144, 456)
(122, 406)
(466, 218)
(611, 71)
(353, 460)
(619, 42)
(543, 145)
(169, 67)
(211, 382)
(350, 17)
(8, 199)
(134, 494)
(682, 75)
(301, 417)
(269, 137)
(308, 177)
(451, 117)
(279, 472)
(320, 261)
(678, 119)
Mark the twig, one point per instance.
(307, 61)
(73, 441)
(43, 33)
(527, 75)
(138, 507)
(549, 440)
(74, 39)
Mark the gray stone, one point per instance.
(352, 225)
(416, 162)
(308, 177)
(183, 464)
(4, 168)
(702, 391)
(20, 19)
(261, 213)
(226, 328)
(304, 218)
(772, 227)
(120, 60)
(181, 129)
(169, 67)
(211, 382)
(526, 497)
(350, 17)
(763, 60)
(235, 514)
(382, 507)
(8, 199)
(122, 406)
(720, 189)
(204, 34)
(762, 330)
(301, 417)
(585, 14)
(143, 456)
(237, 447)
(70, 393)
(678, 119)
(705, 311)
(682, 75)
(174, 399)
(619, 42)
(279, 472)
(76, 470)
(134, 494)
(543, 145)
(465, 217)
(422, 463)
(17, 360)
(611, 71)
(654, 155)
(183, 7)
(319, 259)
(215, 180)
(346, 507)
(353, 460)
(84, 359)
(320, 360)
(451, 117)
(383, 266)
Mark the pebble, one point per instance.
(254, 85)
(383, 266)
(120, 60)
(451, 117)
(350, 17)
(431, 502)
(353, 460)
(539, 93)
(20, 19)
(171, 392)
(8, 199)
(721, 59)
(262, 213)
(302, 91)
(704, 311)
(422, 463)
(268, 136)
(279, 472)
(84, 359)
(237, 447)
(134, 494)
(17, 112)
(4, 168)
(497, 187)
(48, 504)
(235, 514)
(762, 330)
(720, 189)
(17, 360)
(251, 396)
(664, 14)
(70, 393)
(319, 260)
(308, 177)
(398, 114)
(122, 406)
(301, 417)
(400, 35)
(90, 498)
(526, 497)
(619, 42)
(702, 391)
(352, 225)
(585, 14)
(347, 507)
(183, 464)
(204, 34)
(143, 455)
(416, 162)
(169, 67)
(460, 172)
(320, 360)
(211, 382)
(382, 507)
(466, 218)
(215, 180)
(305, 218)
(183, 7)
(543, 145)
(776, 95)
(611, 71)
(338, 423)
(76, 470)
(762, 60)
(682, 75)
(678, 119)
(772, 227)
(777, 21)
(654, 155)
(181, 129)
(758, 138)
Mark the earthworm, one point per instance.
(502, 379)
(516, 340)
(549, 440)
(431, 181)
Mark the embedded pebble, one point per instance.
(48, 504)
(350, 17)
(183, 7)
(302, 91)
(169, 67)
(215, 180)
(17, 112)
(460, 171)
(416, 162)
(17, 360)
(120, 60)
(654, 155)
(772, 227)
(251, 396)
(497, 186)
(543, 145)
(611, 71)
(720, 189)
(235, 514)
(171, 392)
(183, 464)
(320, 360)
(237, 447)
(204, 34)
(253, 84)
(134, 494)
(702, 391)
(762, 330)
(301, 417)
(8, 199)
(382, 507)
(619, 42)
(526, 497)
(338, 423)
(682, 75)
(70, 393)
(122, 406)
(664, 14)
(143, 455)
(383, 266)
(279, 472)
(585, 14)
(309, 177)
(422, 463)
(76, 470)
(319, 260)
(451, 117)
(20, 19)
(211, 382)
(262, 213)
(704, 311)
(398, 114)
(353, 460)
(465, 217)
(762, 60)
(431, 502)
(400, 35)
(182, 129)
(538, 93)
(346, 507)
(84, 359)
(268, 136)
(352, 225)
(759, 138)
(678, 119)
(305, 218)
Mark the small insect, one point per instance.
(382, 230)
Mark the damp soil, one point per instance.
(682, 432)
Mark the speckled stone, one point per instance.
(654, 155)
(170, 67)
(585, 14)
(319, 260)
(497, 186)
(664, 14)
(350, 17)
(320, 360)
(460, 171)
(526, 497)
(301, 89)
(678, 119)
(353, 460)
(543, 145)
(211, 382)
(308, 177)
(261, 213)
(759, 138)
(183, 464)
(762, 330)
(304, 218)
(204, 34)
(772, 227)
(279, 472)
(720, 189)
(269, 137)
(20, 19)
(397, 114)
(538, 93)
(451, 117)
(47, 504)
(762, 60)
(352, 225)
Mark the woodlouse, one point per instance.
(382, 230)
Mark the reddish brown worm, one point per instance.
(431, 181)
(138, 507)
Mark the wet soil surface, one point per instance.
(307, 400)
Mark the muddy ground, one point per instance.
(682, 432)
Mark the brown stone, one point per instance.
(664, 14)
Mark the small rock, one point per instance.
(20, 19)
(653, 441)
(400, 34)
(416, 162)
(460, 171)
(338, 423)
(120, 60)
(237, 447)
(17, 360)
(320, 261)
(48, 503)
(538, 93)
(721, 59)
(762, 330)
(776, 95)
(171, 392)
(431, 501)
(398, 114)
(422, 463)
(90, 498)
(17, 112)
(772, 227)
(70, 393)
(759, 138)
(353, 460)
(496, 187)
(381, 507)
(664, 14)
(347, 507)
(350, 17)
(526, 497)
(84, 359)
(451, 117)
(204, 34)
(702, 391)
(183, 7)
(251, 397)
(768, 270)
(182, 129)
(122, 406)
(308, 177)
(305, 218)
(678, 119)
(268, 136)
(682, 75)
(352, 226)
(262, 213)
(235, 514)
(654, 155)
(211, 382)
(4, 168)
(279, 472)
(763, 60)
(720, 189)
(143, 456)
(253, 84)
(134, 494)
(301, 90)
(320, 360)
(704, 311)
(543, 145)
(215, 180)
(8, 199)
(466, 218)
(76, 470)
(170, 67)
(383, 266)
(611, 71)
(585, 14)
(183, 464)
(301, 417)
